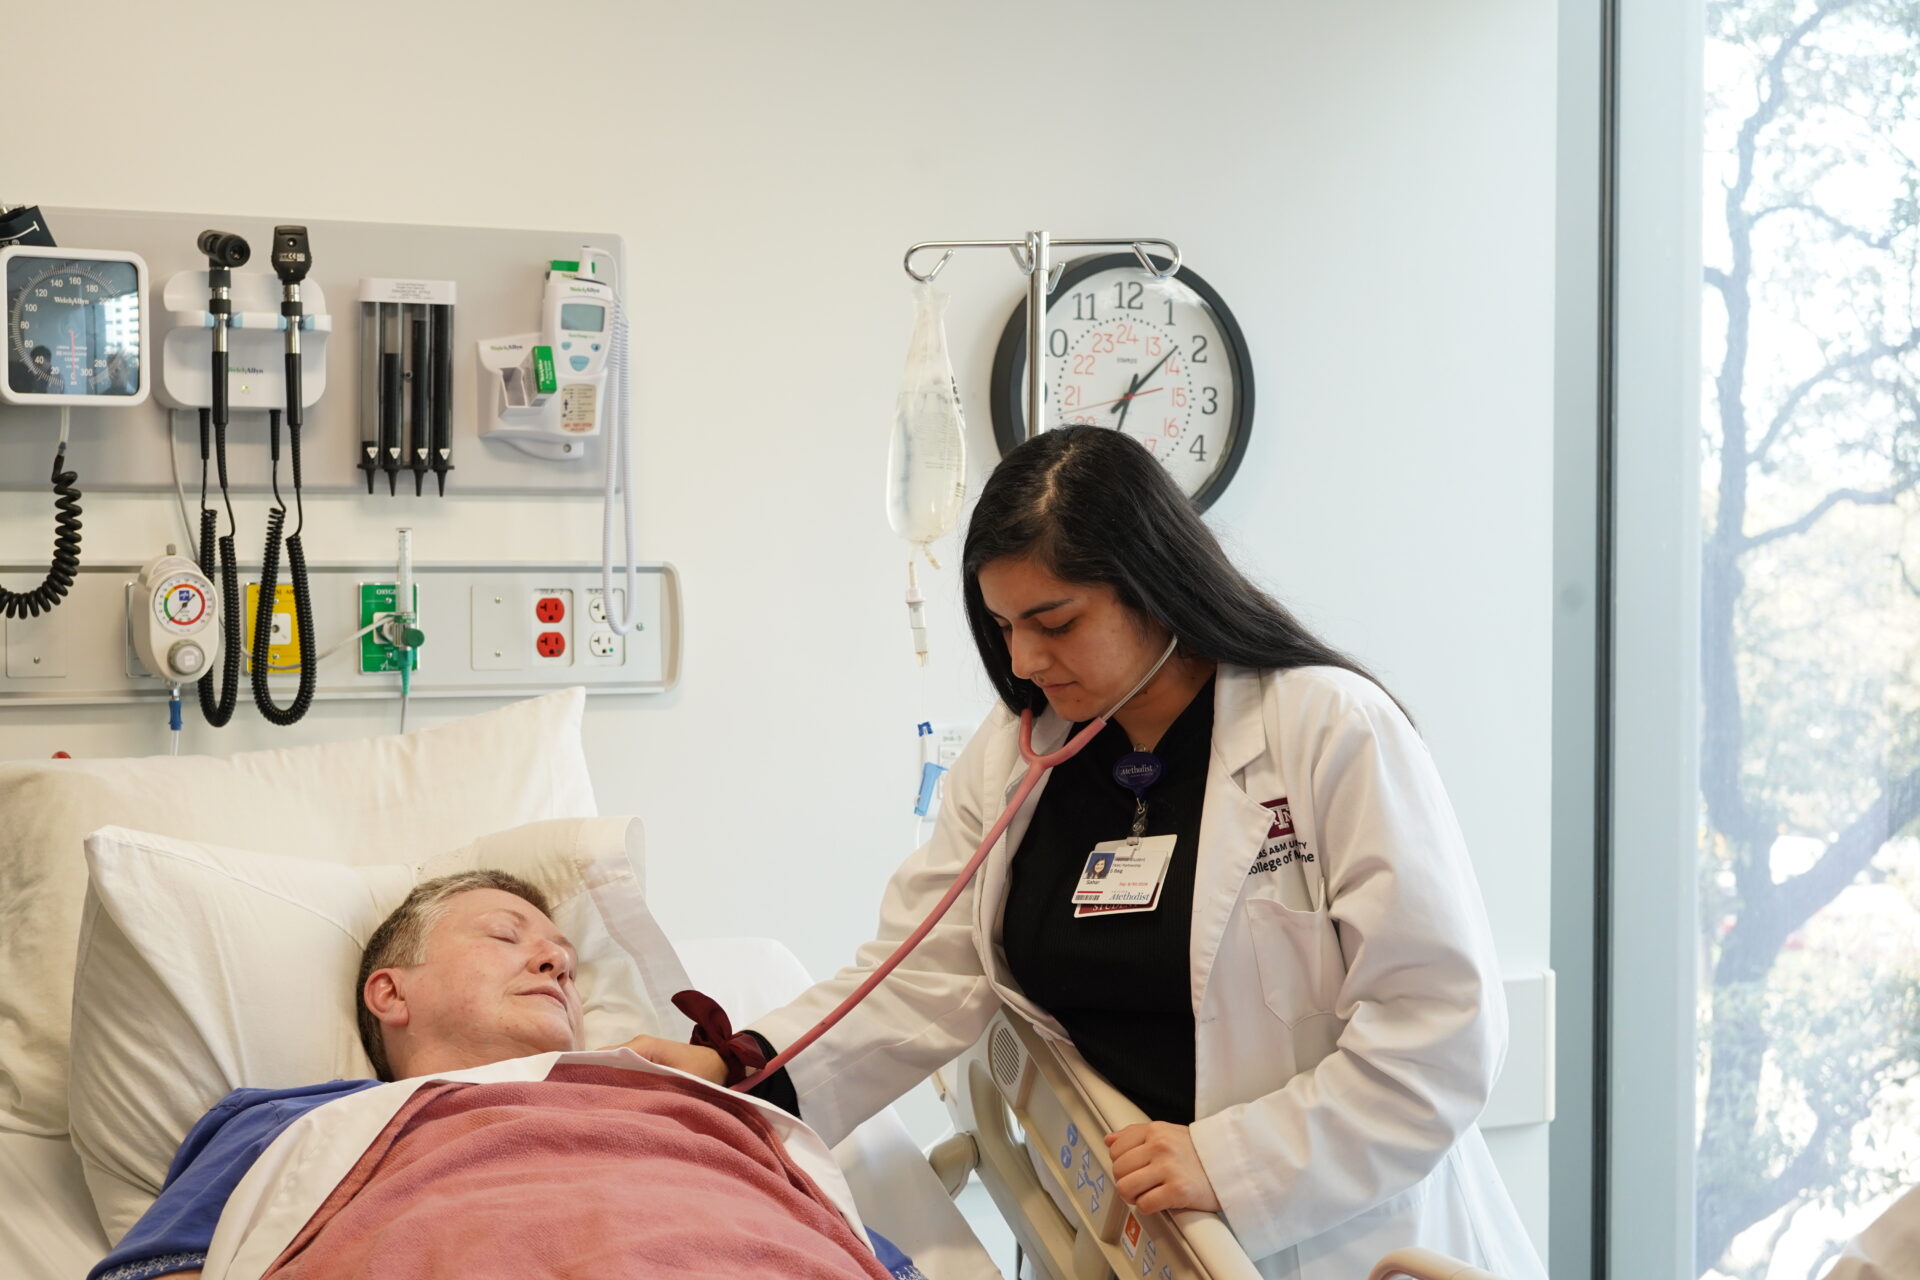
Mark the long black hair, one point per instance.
(1091, 505)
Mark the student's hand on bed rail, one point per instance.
(1156, 1168)
(691, 1059)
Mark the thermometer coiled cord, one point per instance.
(66, 544)
(218, 710)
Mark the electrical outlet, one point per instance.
(597, 603)
(603, 644)
(551, 624)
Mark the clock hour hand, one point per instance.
(1120, 406)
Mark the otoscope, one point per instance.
(224, 251)
(291, 262)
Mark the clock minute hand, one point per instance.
(1133, 388)
(1156, 367)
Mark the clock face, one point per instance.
(1162, 360)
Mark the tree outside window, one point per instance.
(1809, 994)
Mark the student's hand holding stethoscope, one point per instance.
(1156, 1168)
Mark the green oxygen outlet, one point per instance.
(378, 653)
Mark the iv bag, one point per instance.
(927, 460)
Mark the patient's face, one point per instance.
(497, 983)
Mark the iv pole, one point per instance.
(1034, 258)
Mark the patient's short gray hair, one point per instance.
(401, 939)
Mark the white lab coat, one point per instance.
(1348, 1013)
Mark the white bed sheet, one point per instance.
(894, 1187)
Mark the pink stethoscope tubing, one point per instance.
(1038, 766)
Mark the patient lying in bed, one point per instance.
(518, 1165)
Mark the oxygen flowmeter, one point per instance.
(545, 392)
(172, 616)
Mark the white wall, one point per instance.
(1369, 184)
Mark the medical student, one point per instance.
(1309, 1007)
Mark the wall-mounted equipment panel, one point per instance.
(503, 288)
(498, 630)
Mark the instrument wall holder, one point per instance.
(501, 278)
(256, 344)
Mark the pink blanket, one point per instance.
(591, 1172)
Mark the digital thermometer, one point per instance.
(547, 390)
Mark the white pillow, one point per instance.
(204, 970)
(387, 799)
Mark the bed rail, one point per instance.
(1425, 1264)
(1016, 1092)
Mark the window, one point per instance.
(1808, 1050)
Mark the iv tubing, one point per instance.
(1038, 766)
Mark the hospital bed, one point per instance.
(1029, 1113)
(49, 1231)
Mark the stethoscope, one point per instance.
(1038, 766)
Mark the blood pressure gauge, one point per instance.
(1164, 362)
(76, 326)
(174, 634)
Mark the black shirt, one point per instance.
(1119, 982)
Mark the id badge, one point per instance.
(1123, 875)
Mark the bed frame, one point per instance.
(1022, 1104)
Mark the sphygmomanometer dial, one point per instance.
(73, 327)
(1165, 363)
(180, 603)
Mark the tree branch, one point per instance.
(1798, 897)
(1842, 229)
(1774, 75)
(1859, 497)
(1864, 358)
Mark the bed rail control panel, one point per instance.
(1036, 1106)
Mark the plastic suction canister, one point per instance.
(927, 457)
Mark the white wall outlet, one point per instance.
(597, 603)
(603, 647)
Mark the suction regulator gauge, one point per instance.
(76, 326)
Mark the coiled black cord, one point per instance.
(66, 548)
(218, 708)
(269, 592)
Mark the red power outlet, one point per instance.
(551, 644)
(550, 609)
